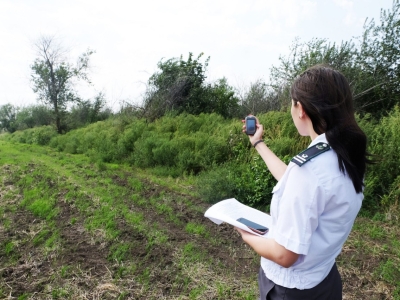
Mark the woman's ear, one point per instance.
(300, 110)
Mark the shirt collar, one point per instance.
(319, 139)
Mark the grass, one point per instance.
(372, 252)
(196, 229)
(59, 207)
(84, 229)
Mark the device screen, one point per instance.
(251, 125)
(253, 226)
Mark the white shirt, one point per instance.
(313, 209)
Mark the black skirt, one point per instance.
(329, 289)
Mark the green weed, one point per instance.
(376, 232)
(64, 271)
(119, 252)
(136, 184)
(6, 223)
(43, 208)
(24, 296)
(134, 218)
(101, 166)
(52, 241)
(163, 208)
(192, 254)
(223, 291)
(196, 229)
(104, 217)
(59, 293)
(247, 294)
(9, 248)
(196, 292)
(121, 199)
(155, 237)
(389, 271)
(144, 278)
(41, 237)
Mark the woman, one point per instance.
(318, 195)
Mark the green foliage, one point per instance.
(60, 293)
(177, 86)
(306, 54)
(13, 118)
(371, 65)
(87, 112)
(215, 149)
(250, 183)
(180, 86)
(382, 178)
(256, 184)
(196, 229)
(9, 248)
(33, 116)
(218, 183)
(119, 252)
(191, 253)
(8, 117)
(378, 81)
(42, 208)
(122, 229)
(245, 176)
(181, 144)
(389, 271)
(220, 98)
(38, 135)
(52, 77)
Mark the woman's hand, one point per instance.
(276, 166)
(242, 232)
(259, 131)
(246, 235)
(269, 249)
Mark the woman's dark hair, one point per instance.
(326, 98)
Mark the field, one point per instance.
(72, 228)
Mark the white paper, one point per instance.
(230, 210)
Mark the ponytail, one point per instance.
(327, 100)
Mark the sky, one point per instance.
(243, 38)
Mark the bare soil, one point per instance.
(85, 256)
(80, 267)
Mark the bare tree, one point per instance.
(258, 98)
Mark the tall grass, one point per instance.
(219, 155)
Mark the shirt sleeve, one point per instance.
(300, 204)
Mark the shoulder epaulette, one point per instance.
(305, 156)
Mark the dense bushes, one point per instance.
(382, 179)
(38, 135)
(219, 154)
(180, 86)
(183, 143)
(14, 118)
(207, 145)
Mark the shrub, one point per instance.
(219, 152)
(217, 184)
(384, 144)
(38, 135)
(143, 155)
